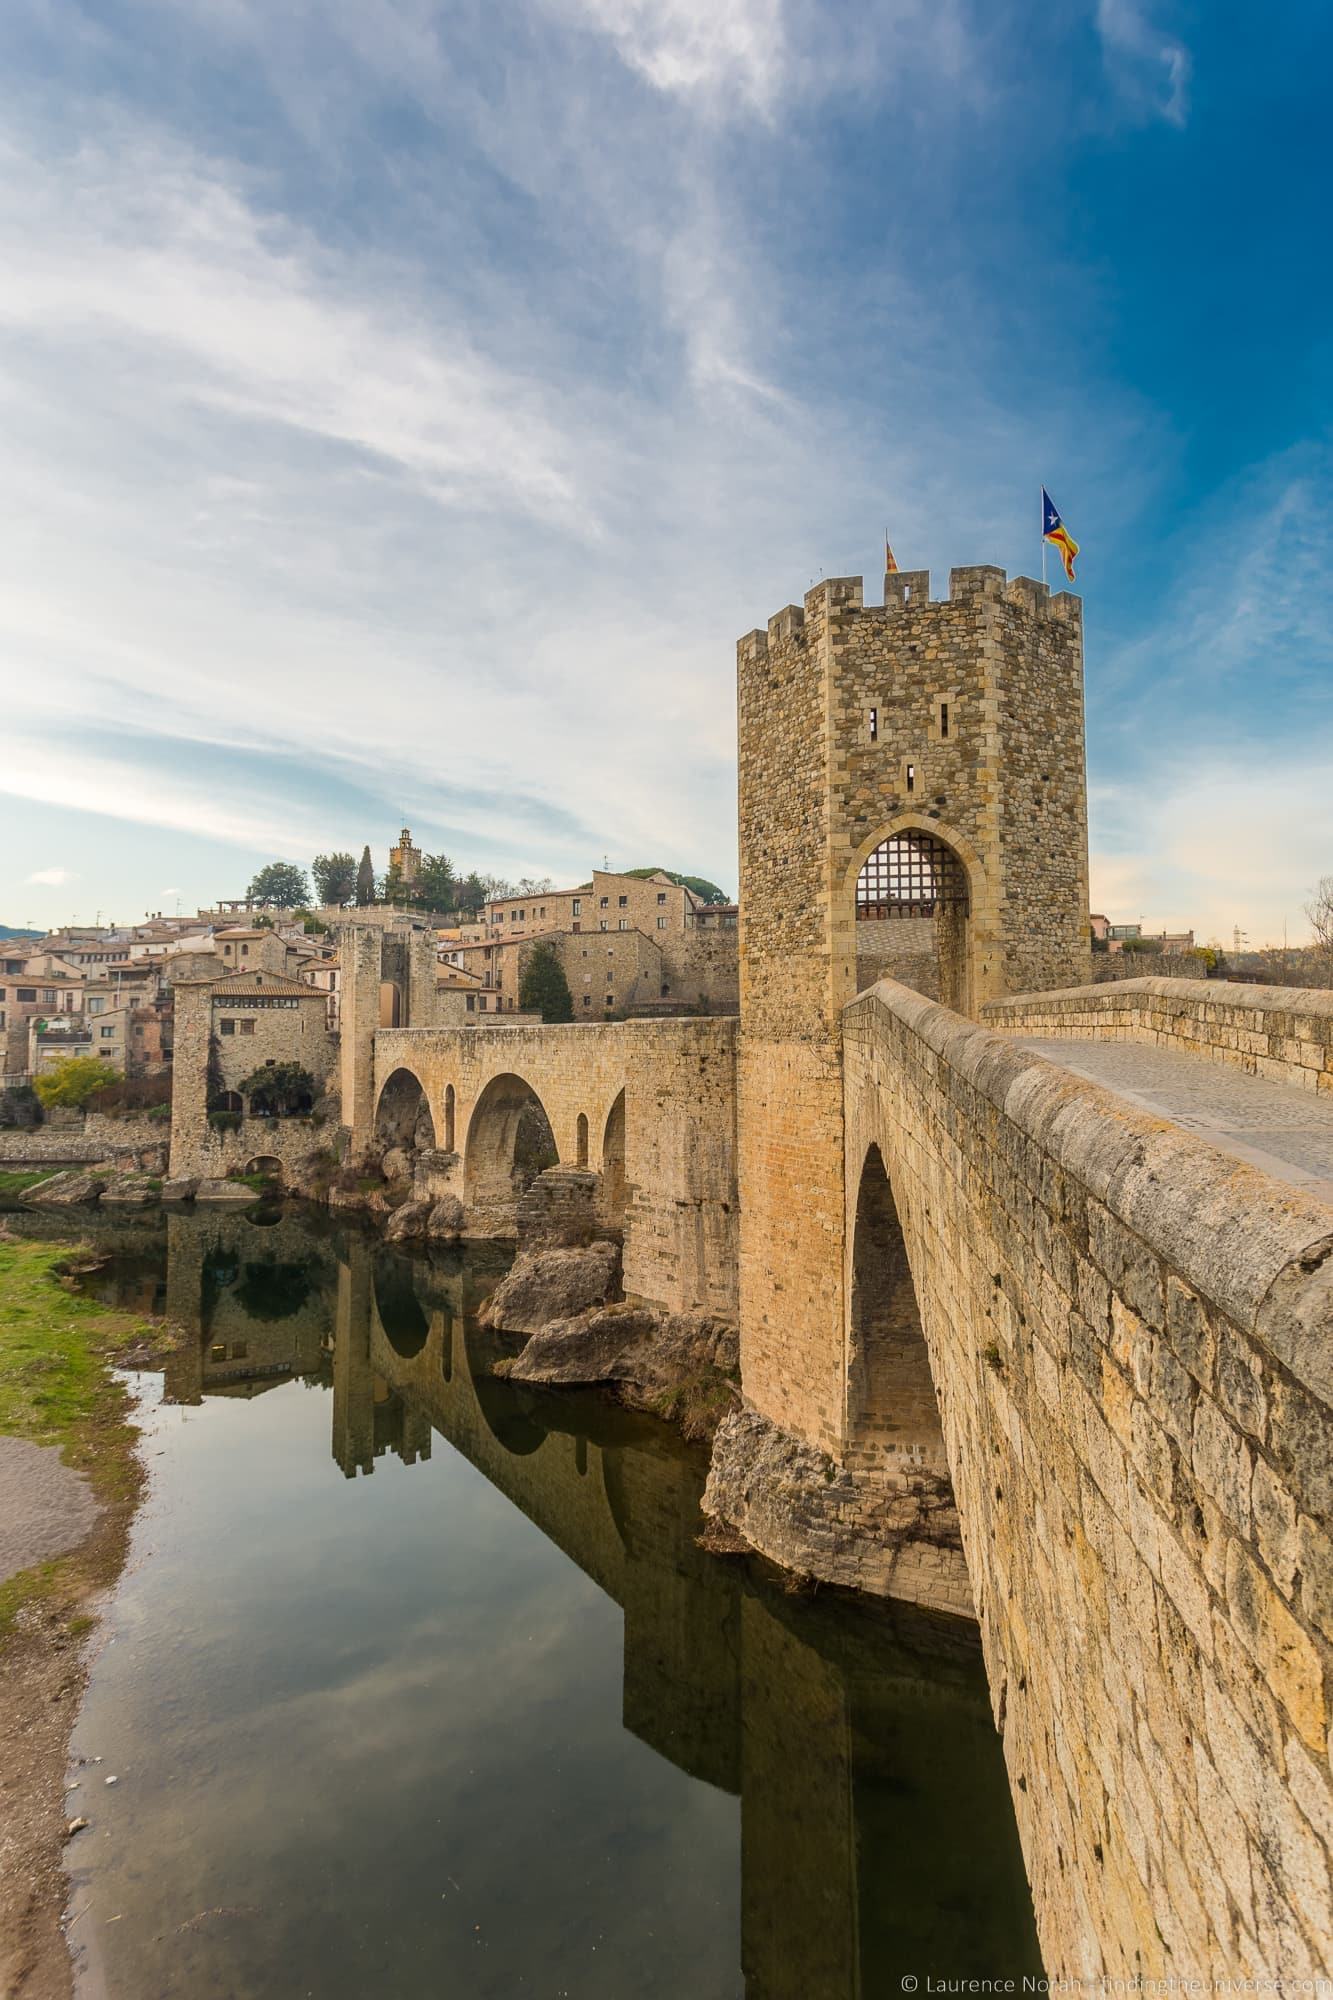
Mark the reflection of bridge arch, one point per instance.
(405, 1321)
(509, 1142)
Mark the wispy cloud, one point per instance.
(53, 878)
(698, 45)
(1150, 67)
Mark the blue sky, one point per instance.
(406, 405)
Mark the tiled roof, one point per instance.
(265, 982)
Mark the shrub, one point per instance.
(70, 1082)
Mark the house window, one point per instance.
(107, 1033)
(48, 996)
(587, 999)
(226, 1027)
(576, 906)
(610, 999)
(909, 777)
(944, 720)
(661, 923)
(623, 925)
(577, 925)
(247, 1027)
(26, 993)
(471, 1003)
(245, 951)
(606, 902)
(603, 925)
(108, 1053)
(661, 897)
(622, 902)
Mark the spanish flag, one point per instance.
(1054, 530)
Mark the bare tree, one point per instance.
(1319, 910)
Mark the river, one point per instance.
(416, 1682)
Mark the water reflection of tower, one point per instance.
(369, 1418)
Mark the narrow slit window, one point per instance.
(911, 777)
(874, 725)
(944, 719)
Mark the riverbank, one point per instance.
(71, 1480)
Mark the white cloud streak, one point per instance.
(1150, 67)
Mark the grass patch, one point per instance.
(58, 1387)
(697, 1404)
(18, 1182)
(259, 1183)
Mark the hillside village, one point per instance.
(628, 946)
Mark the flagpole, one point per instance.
(1041, 509)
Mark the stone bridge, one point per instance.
(650, 1106)
(1035, 1294)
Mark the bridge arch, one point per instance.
(402, 1113)
(509, 1142)
(615, 1187)
(917, 903)
(891, 1402)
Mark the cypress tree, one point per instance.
(543, 987)
(365, 880)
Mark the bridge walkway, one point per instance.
(1286, 1132)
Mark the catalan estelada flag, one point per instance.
(1053, 530)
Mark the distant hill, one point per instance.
(8, 931)
(706, 891)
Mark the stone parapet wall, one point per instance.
(1109, 967)
(1283, 1032)
(1129, 1337)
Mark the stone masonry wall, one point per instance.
(95, 1136)
(1129, 1339)
(1283, 1032)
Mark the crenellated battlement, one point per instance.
(835, 598)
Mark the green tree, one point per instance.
(335, 878)
(365, 880)
(69, 1083)
(281, 883)
(279, 1090)
(469, 895)
(706, 891)
(542, 986)
(435, 887)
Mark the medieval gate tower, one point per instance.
(912, 797)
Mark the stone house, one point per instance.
(243, 948)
